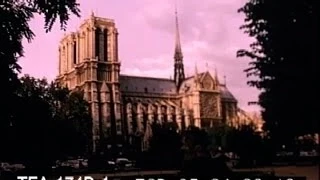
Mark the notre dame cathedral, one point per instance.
(89, 60)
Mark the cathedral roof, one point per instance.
(140, 84)
(147, 84)
(226, 94)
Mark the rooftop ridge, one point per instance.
(144, 77)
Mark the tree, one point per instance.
(165, 144)
(283, 58)
(14, 27)
(247, 144)
(72, 120)
(221, 135)
(50, 122)
(28, 131)
(195, 142)
(197, 161)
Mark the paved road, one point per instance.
(311, 172)
(136, 173)
(100, 176)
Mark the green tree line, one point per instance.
(283, 65)
(170, 148)
(50, 122)
(36, 117)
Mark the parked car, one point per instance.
(312, 153)
(111, 165)
(83, 163)
(4, 166)
(70, 165)
(124, 163)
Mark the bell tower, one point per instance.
(89, 60)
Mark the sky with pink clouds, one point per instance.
(209, 32)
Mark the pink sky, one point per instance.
(209, 32)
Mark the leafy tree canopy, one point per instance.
(165, 139)
(282, 65)
(50, 122)
(14, 18)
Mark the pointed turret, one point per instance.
(216, 74)
(216, 78)
(196, 77)
(179, 75)
(92, 14)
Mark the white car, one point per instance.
(124, 163)
(4, 166)
(309, 153)
(11, 167)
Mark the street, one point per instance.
(311, 172)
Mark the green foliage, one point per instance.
(221, 136)
(165, 146)
(71, 117)
(195, 142)
(14, 18)
(194, 136)
(246, 142)
(165, 139)
(50, 122)
(243, 141)
(25, 99)
(282, 65)
(198, 143)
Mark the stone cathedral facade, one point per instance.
(128, 105)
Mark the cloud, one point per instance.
(209, 34)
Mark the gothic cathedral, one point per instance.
(123, 105)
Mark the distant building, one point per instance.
(88, 60)
(248, 118)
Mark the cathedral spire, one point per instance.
(177, 50)
(179, 75)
